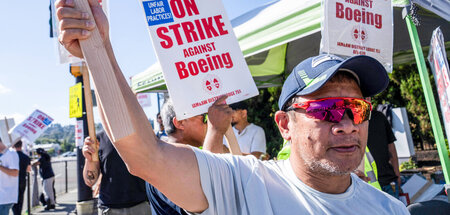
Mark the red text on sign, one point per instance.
(209, 63)
(30, 128)
(180, 7)
(188, 32)
(357, 15)
(200, 49)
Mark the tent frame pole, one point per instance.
(429, 98)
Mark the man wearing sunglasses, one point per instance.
(321, 112)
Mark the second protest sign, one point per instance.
(199, 54)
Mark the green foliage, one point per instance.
(405, 90)
(408, 165)
(62, 135)
(261, 111)
(51, 151)
(67, 147)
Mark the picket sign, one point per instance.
(5, 126)
(123, 118)
(359, 28)
(64, 55)
(199, 54)
(89, 110)
(106, 84)
(32, 127)
(231, 139)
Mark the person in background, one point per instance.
(24, 167)
(48, 177)
(191, 131)
(161, 134)
(120, 192)
(381, 145)
(9, 182)
(251, 138)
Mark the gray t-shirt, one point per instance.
(245, 185)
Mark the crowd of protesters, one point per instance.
(186, 167)
(322, 113)
(14, 166)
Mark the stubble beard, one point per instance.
(327, 167)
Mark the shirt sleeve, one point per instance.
(14, 158)
(259, 141)
(223, 179)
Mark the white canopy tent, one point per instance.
(278, 35)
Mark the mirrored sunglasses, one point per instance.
(333, 109)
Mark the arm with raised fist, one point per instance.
(219, 119)
(171, 168)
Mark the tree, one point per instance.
(405, 90)
(261, 111)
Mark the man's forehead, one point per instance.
(335, 89)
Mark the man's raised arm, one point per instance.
(172, 169)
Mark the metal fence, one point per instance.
(65, 170)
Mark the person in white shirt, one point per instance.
(9, 178)
(322, 114)
(251, 138)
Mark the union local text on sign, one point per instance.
(199, 54)
(359, 27)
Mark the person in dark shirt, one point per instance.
(24, 167)
(120, 192)
(381, 145)
(48, 177)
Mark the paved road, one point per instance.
(65, 201)
(66, 205)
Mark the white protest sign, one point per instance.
(79, 134)
(5, 126)
(199, 54)
(64, 55)
(359, 27)
(32, 127)
(439, 65)
(144, 99)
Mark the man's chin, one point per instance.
(333, 168)
(233, 123)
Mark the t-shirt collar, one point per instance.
(302, 186)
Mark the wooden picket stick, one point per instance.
(7, 129)
(89, 107)
(105, 81)
(232, 142)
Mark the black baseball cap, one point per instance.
(312, 73)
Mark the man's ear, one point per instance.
(178, 124)
(243, 114)
(282, 120)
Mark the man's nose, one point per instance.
(345, 126)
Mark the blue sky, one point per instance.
(30, 75)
